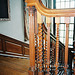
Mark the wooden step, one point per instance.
(13, 66)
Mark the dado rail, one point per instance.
(47, 57)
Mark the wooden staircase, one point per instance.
(42, 56)
(10, 65)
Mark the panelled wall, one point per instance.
(13, 47)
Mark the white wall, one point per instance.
(15, 27)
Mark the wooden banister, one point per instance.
(31, 41)
(50, 12)
(47, 48)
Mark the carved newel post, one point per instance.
(32, 70)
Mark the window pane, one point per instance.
(64, 34)
(72, 4)
(67, 0)
(61, 27)
(65, 27)
(57, 0)
(70, 33)
(71, 19)
(64, 41)
(58, 5)
(71, 26)
(62, 19)
(71, 41)
(61, 39)
(62, 0)
(61, 33)
(62, 5)
(67, 4)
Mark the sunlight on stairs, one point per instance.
(13, 66)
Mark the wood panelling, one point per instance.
(13, 47)
(26, 52)
(0, 45)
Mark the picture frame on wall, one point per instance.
(4, 10)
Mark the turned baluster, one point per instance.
(40, 44)
(36, 49)
(57, 21)
(43, 45)
(66, 44)
(48, 45)
(45, 51)
(32, 70)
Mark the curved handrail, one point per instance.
(50, 12)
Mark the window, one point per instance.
(61, 4)
(4, 10)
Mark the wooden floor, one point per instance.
(13, 66)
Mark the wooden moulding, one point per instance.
(12, 46)
(50, 12)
